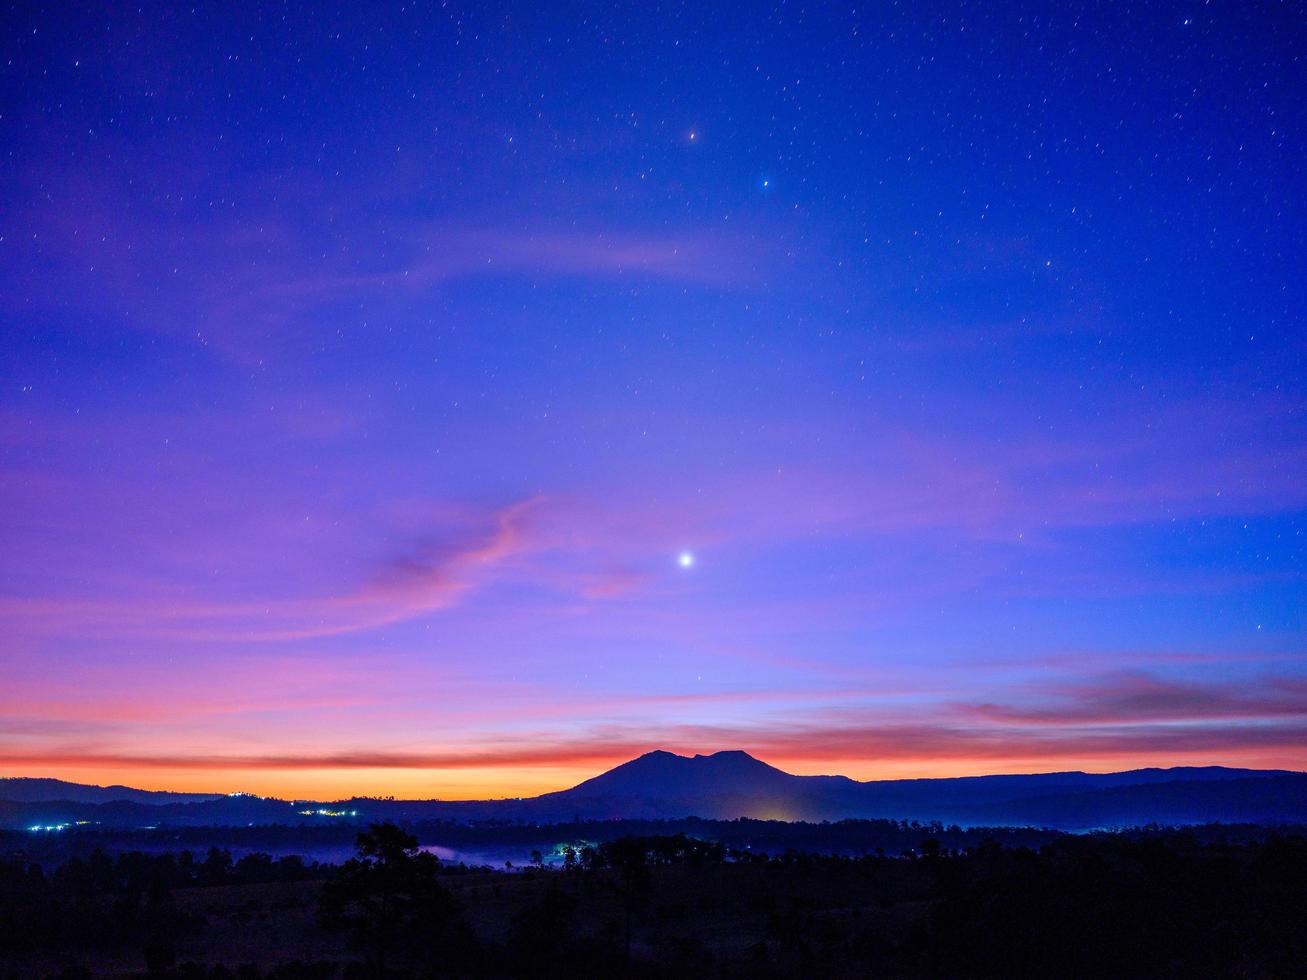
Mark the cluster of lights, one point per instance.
(328, 813)
(42, 828)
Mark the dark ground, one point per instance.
(1147, 905)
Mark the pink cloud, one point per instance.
(1136, 697)
(433, 577)
(923, 744)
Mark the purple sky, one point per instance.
(365, 375)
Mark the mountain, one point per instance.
(661, 779)
(727, 785)
(722, 785)
(669, 774)
(734, 784)
(16, 789)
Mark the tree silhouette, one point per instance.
(389, 897)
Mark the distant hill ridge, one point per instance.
(24, 789)
(730, 784)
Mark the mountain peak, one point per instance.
(723, 759)
(665, 774)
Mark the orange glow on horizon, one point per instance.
(497, 782)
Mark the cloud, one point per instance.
(843, 738)
(46, 727)
(1135, 697)
(284, 304)
(252, 289)
(613, 582)
(430, 574)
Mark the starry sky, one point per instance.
(459, 399)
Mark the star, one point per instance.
(685, 559)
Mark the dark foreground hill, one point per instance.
(1159, 904)
(727, 785)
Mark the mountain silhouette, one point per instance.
(722, 785)
(665, 773)
(20, 789)
(730, 784)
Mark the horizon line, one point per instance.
(650, 752)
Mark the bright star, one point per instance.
(685, 559)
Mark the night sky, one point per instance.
(460, 399)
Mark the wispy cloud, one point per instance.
(921, 745)
(1134, 720)
(1136, 697)
(430, 574)
(254, 289)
